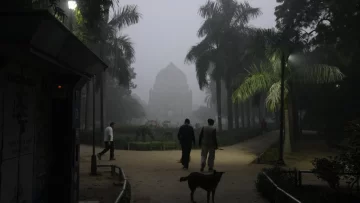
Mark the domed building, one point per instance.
(170, 98)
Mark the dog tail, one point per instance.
(182, 179)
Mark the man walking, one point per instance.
(208, 144)
(186, 137)
(109, 142)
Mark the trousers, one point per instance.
(209, 154)
(108, 146)
(185, 158)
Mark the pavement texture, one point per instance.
(154, 175)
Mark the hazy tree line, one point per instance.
(248, 60)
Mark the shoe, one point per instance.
(185, 168)
(211, 169)
(112, 159)
(202, 169)
(98, 156)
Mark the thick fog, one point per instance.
(166, 32)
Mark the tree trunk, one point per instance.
(242, 112)
(229, 104)
(295, 115)
(102, 75)
(289, 126)
(287, 136)
(252, 113)
(218, 102)
(87, 106)
(236, 113)
(248, 116)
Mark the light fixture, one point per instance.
(72, 5)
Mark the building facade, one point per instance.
(170, 98)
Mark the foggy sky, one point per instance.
(166, 32)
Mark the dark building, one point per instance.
(42, 69)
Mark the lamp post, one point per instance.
(93, 156)
(72, 6)
(282, 111)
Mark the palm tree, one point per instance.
(224, 19)
(118, 50)
(94, 27)
(210, 100)
(266, 77)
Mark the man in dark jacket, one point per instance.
(186, 137)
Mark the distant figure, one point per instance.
(186, 137)
(263, 126)
(109, 141)
(208, 143)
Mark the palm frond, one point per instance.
(210, 27)
(125, 16)
(126, 47)
(209, 9)
(202, 66)
(318, 74)
(244, 13)
(274, 96)
(121, 71)
(197, 50)
(258, 80)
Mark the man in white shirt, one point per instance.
(109, 142)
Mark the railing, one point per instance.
(298, 175)
(125, 193)
(281, 195)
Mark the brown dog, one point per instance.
(207, 182)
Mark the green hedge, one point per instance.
(123, 137)
(155, 145)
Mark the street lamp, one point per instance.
(72, 6)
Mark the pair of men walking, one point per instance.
(207, 142)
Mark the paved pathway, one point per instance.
(154, 175)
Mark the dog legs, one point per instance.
(212, 196)
(192, 195)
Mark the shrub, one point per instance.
(347, 161)
(328, 170)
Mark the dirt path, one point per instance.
(154, 175)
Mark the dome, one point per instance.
(171, 78)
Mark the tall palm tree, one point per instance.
(266, 76)
(94, 27)
(119, 51)
(223, 21)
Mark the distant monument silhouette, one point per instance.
(170, 98)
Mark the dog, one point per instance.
(207, 182)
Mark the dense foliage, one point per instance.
(328, 27)
(347, 162)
